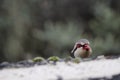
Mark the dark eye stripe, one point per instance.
(79, 45)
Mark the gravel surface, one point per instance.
(100, 69)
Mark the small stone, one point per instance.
(26, 63)
(100, 57)
(60, 78)
(41, 63)
(4, 65)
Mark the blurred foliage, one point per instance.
(106, 28)
(38, 59)
(76, 60)
(30, 28)
(58, 37)
(53, 58)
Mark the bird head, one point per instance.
(81, 49)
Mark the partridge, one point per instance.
(81, 49)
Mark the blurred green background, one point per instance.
(30, 28)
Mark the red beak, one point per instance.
(87, 48)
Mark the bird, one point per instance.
(81, 49)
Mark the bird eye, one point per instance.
(78, 45)
(83, 46)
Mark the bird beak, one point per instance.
(87, 48)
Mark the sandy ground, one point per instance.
(65, 71)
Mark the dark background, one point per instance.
(30, 28)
